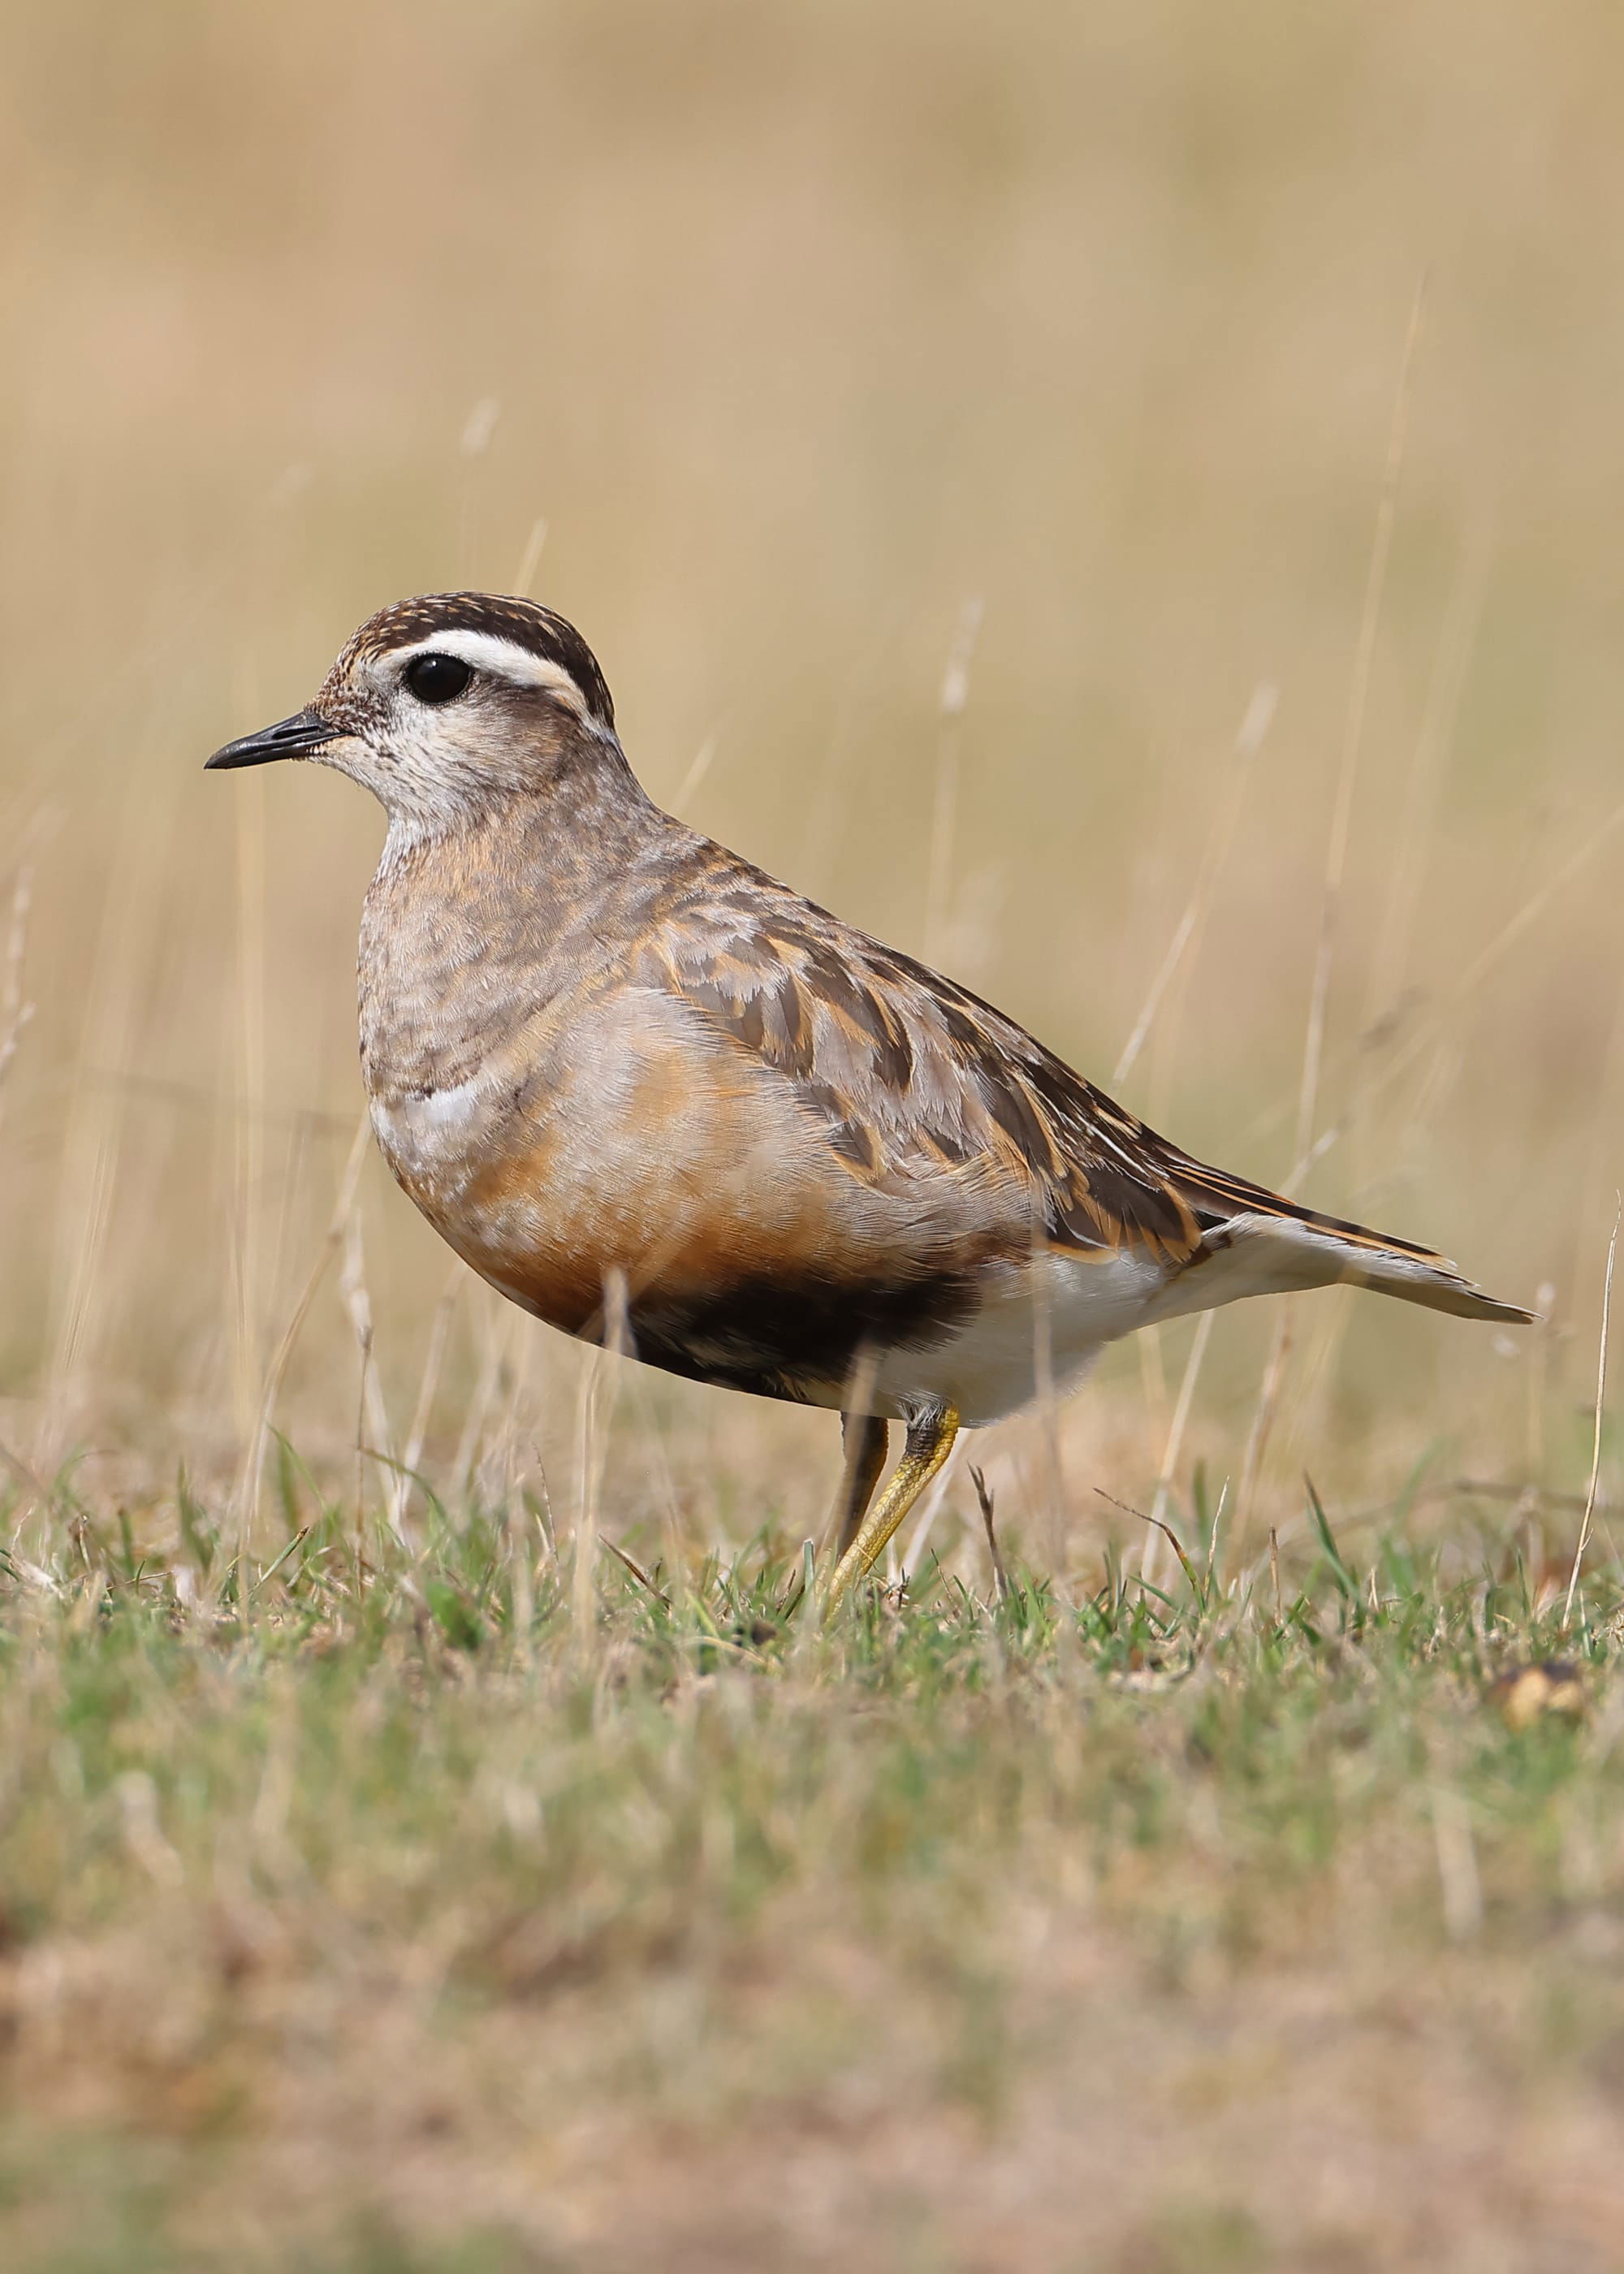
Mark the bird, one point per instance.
(665, 1103)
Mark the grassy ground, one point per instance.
(462, 1910)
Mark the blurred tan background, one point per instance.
(766, 341)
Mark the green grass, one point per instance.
(352, 1921)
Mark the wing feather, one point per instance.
(917, 1082)
(909, 1075)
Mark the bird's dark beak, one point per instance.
(289, 738)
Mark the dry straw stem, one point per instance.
(596, 1395)
(519, 1554)
(530, 561)
(428, 1385)
(372, 1434)
(984, 1502)
(1411, 843)
(1411, 846)
(332, 1238)
(247, 1130)
(944, 818)
(705, 758)
(492, 1326)
(1182, 950)
(1353, 736)
(1047, 1402)
(1249, 740)
(1584, 1541)
(583, 1547)
(1191, 1577)
(15, 1010)
(1335, 864)
(1175, 1440)
(1426, 1032)
(1458, 1881)
(108, 1038)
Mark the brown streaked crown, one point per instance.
(539, 630)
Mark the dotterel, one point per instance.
(654, 1096)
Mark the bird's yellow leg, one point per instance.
(929, 1441)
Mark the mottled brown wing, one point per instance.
(911, 1076)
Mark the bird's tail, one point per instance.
(1254, 1242)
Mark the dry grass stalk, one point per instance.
(705, 758)
(520, 1564)
(945, 817)
(1249, 740)
(1426, 1033)
(254, 1461)
(1584, 1541)
(372, 1432)
(1353, 739)
(110, 1039)
(1414, 835)
(15, 1009)
(1175, 1440)
(1263, 1415)
(530, 561)
(984, 1502)
(597, 1393)
(491, 1326)
(1335, 864)
(1458, 1881)
(583, 1547)
(428, 1385)
(247, 1127)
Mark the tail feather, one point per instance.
(1438, 1286)
(1259, 1252)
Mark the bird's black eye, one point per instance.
(438, 678)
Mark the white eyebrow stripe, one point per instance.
(504, 658)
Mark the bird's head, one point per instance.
(446, 705)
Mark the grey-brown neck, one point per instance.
(553, 787)
(495, 912)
